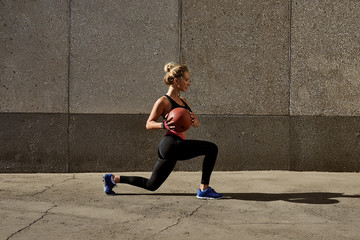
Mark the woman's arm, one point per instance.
(156, 112)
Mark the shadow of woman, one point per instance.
(306, 198)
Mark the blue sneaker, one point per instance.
(108, 184)
(208, 193)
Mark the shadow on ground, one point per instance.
(307, 198)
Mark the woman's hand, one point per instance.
(192, 115)
(194, 120)
(167, 123)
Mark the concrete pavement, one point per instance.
(258, 205)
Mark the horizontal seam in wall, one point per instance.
(203, 114)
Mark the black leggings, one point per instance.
(171, 149)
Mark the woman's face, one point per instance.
(184, 82)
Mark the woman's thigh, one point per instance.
(188, 149)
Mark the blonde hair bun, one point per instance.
(169, 66)
(174, 71)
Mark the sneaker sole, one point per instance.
(209, 198)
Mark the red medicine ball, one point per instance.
(181, 118)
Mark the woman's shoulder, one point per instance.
(163, 101)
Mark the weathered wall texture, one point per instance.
(118, 51)
(275, 83)
(325, 72)
(325, 85)
(34, 56)
(238, 51)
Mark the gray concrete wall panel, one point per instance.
(238, 51)
(112, 143)
(246, 143)
(33, 142)
(325, 143)
(325, 73)
(119, 49)
(34, 53)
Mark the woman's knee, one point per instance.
(152, 188)
(213, 147)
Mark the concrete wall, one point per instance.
(275, 83)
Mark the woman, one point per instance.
(174, 146)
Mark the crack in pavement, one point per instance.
(180, 219)
(32, 223)
(53, 185)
